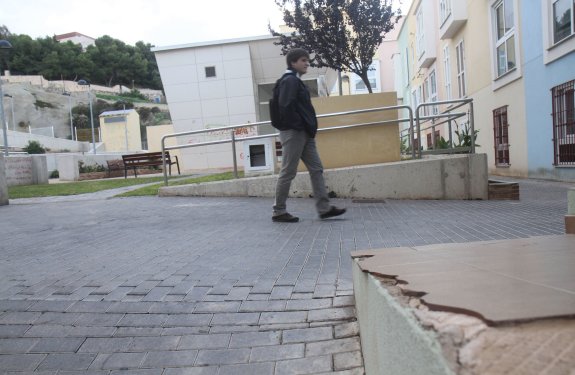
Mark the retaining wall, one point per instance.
(440, 177)
(26, 170)
(21, 139)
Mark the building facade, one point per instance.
(76, 38)
(215, 84)
(515, 59)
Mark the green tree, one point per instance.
(152, 78)
(340, 34)
(109, 62)
(4, 32)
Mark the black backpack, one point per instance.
(275, 105)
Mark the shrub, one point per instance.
(55, 174)
(134, 93)
(42, 104)
(34, 147)
(90, 168)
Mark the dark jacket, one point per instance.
(296, 110)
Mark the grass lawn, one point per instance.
(153, 189)
(92, 186)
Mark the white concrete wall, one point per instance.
(67, 164)
(20, 140)
(199, 102)
(26, 170)
(231, 98)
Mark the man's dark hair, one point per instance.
(294, 55)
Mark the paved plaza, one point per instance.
(174, 286)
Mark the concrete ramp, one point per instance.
(438, 177)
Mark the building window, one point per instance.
(460, 52)
(414, 99)
(433, 91)
(210, 71)
(419, 34)
(447, 72)
(422, 97)
(503, 20)
(372, 76)
(444, 10)
(429, 141)
(501, 136)
(408, 75)
(563, 25)
(564, 123)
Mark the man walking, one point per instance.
(298, 127)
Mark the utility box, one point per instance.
(259, 157)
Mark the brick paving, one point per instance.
(171, 286)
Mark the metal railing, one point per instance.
(233, 138)
(414, 128)
(447, 116)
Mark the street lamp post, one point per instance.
(83, 82)
(12, 108)
(4, 44)
(69, 95)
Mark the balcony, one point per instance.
(454, 20)
(425, 35)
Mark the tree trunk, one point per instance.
(365, 80)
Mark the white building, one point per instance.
(76, 38)
(229, 82)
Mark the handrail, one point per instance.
(459, 102)
(233, 127)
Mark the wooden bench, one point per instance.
(114, 165)
(145, 160)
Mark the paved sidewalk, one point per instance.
(210, 285)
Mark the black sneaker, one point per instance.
(333, 211)
(285, 218)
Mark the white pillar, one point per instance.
(68, 168)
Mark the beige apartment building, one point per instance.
(457, 49)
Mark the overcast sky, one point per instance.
(158, 22)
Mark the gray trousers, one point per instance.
(296, 145)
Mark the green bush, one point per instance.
(90, 168)
(55, 174)
(134, 93)
(34, 147)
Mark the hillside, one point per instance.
(38, 108)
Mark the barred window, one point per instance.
(501, 136)
(564, 123)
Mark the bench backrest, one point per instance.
(149, 158)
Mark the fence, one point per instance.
(436, 144)
(414, 128)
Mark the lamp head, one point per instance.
(4, 44)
